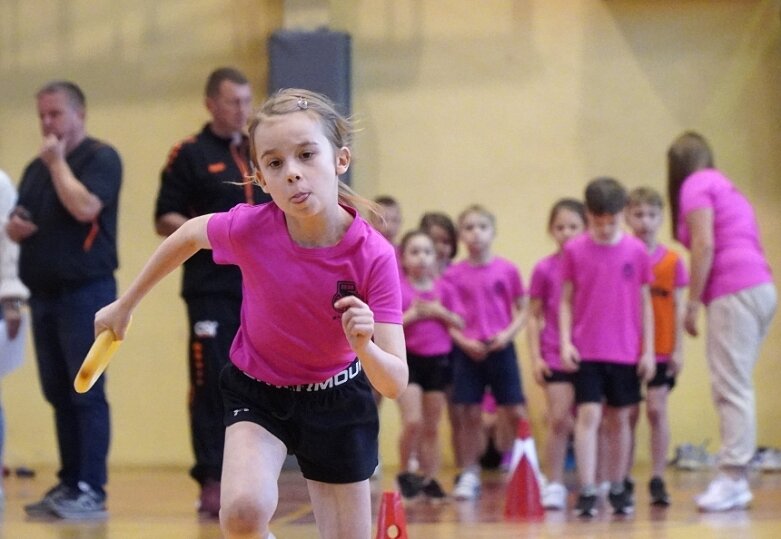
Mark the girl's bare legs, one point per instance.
(507, 418)
(560, 398)
(455, 419)
(430, 454)
(250, 472)
(411, 409)
(471, 439)
(341, 511)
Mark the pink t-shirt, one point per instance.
(486, 295)
(607, 283)
(428, 336)
(546, 286)
(290, 332)
(738, 259)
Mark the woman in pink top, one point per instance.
(321, 313)
(731, 278)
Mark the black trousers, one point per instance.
(214, 321)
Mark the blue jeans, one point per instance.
(63, 331)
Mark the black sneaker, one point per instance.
(586, 506)
(43, 507)
(410, 484)
(659, 496)
(433, 490)
(82, 504)
(629, 488)
(621, 502)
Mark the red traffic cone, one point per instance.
(523, 491)
(524, 445)
(391, 522)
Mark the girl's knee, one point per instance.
(245, 516)
(413, 426)
(655, 414)
(562, 424)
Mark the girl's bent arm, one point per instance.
(569, 354)
(170, 254)
(535, 323)
(385, 360)
(518, 321)
(379, 346)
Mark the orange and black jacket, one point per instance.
(207, 174)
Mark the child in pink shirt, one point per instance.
(491, 296)
(320, 320)
(567, 219)
(428, 303)
(606, 330)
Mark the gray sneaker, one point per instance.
(83, 504)
(43, 507)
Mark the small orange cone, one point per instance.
(391, 522)
(523, 490)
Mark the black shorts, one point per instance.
(618, 385)
(332, 431)
(662, 378)
(560, 377)
(499, 371)
(431, 373)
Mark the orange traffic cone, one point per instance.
(523, 491)
(391, 522)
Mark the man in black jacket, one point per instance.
(204, 174)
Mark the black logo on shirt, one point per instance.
(344, 289)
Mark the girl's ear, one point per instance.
(342, 160)
(260, 181)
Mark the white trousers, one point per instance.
(737, 325)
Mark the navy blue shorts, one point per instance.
(618, 385)
(331, 427)
(499, 371)
(661, 378)
(431, 373)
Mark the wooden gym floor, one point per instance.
(160, 503)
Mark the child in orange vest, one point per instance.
(644, 216)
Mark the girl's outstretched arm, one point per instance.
(175, 249)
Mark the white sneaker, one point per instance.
(603, 489)
(725, 493)
(554, 496)
(377, 473)
(468, 486)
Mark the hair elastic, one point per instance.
(302, 103)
